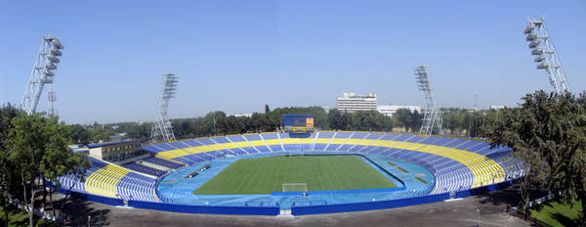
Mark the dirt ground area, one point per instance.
(484, 210)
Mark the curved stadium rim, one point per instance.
(242, 210)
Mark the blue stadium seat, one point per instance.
(163, 162)
(145, 169)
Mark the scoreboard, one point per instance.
(298, 123)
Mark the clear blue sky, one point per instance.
(236, 56)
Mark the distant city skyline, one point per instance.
(237, 56)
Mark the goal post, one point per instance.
(295, 187)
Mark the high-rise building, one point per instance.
(350, 102)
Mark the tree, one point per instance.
(416, 121)
(335, 120)
(548, 133)
(27, 141)
(475, 123)
(8, 178)
(577, 165)
(403, 118)
(38, 148)
(57, 159)
(239, 124)
(370, 121)
(456, 120)
(260, 122)
(80, 134)
(267, 109)
(137, 130)
(215, 123)
(100, 132)
(182, 128)
(346, 121)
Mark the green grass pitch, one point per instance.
(266, 175)
(556, 213)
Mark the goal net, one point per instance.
(295, 187)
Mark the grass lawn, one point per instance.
(18, 217)
(557, 214)
(266, 175)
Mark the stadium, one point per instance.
(292, 173)
(292, 113)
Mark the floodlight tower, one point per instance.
(432, 121)
(43, 73)
(162, 130)
(542, 47)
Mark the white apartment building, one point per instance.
(241, 115)
(497, 107)
(389, 110)
(351, 102)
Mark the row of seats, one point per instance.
(113, 181)
(448, 142)
(163, 162)
(145, 169)
(137, 187)
(104, 180)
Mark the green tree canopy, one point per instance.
(548, 132)
(38, 148)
